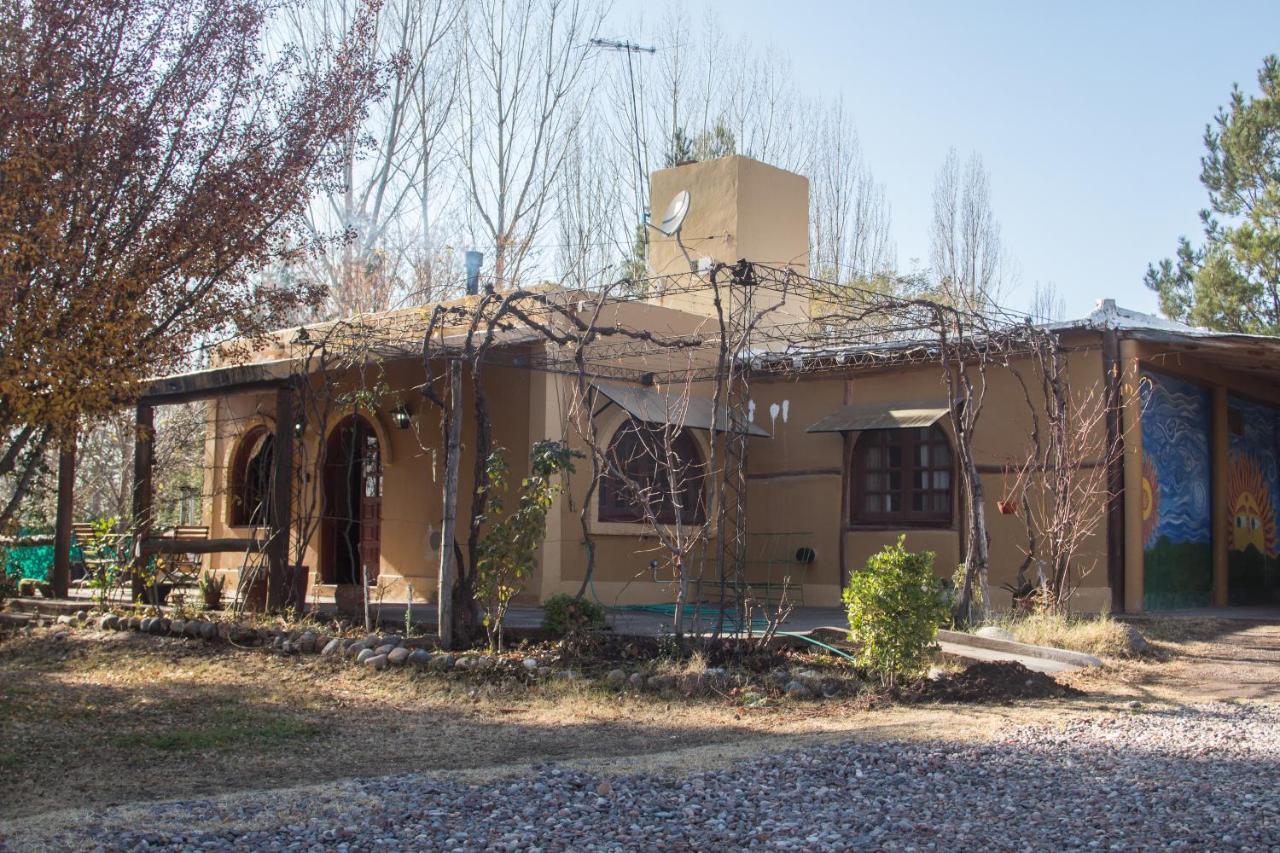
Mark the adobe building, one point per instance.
(844, 454)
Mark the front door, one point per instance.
(350, 535)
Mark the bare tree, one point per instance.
(381, 209)
(1047, 304)
(849, 217)
(1060, 487)
(522, 68)
(965, 247)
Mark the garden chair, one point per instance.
(184, 569)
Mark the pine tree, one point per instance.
(1232, 281)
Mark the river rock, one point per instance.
(365, 654)
(796, 690)
(108, 622)
(420, 658)
(376, 661)
(333, 647)
(398, 656)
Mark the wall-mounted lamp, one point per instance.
(400, 414)
(298, 429)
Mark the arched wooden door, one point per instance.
(352, 530)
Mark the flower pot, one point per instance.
(295, 587)
(348, 598)
(253, 590)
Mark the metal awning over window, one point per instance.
(881, 416)
(655, 406)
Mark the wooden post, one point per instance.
(143, 459)
(1219, 511)
(1114, 401)
(279, 574)
(444, 597)
(61, 580)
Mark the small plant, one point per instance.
(564, 615)
(895, 606)
(30, 588)
(210, 586)
(508, 550)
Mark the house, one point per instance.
(844, 445)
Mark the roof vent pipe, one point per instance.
(473, 272)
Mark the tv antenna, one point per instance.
(642, 167)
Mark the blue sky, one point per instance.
(1089, 116)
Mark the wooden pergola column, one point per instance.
(279, 575)
(61, 579)
(448, 567)
(143, 492)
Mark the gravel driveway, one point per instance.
(1204, 776)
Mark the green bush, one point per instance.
(564, 614)
(895, 606)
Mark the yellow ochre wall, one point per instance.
(413, 469)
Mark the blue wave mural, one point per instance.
(1176, 499)
(1175, 434)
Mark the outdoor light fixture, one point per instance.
(297, 429)
(400, 414)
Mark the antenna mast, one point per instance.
(642, 168)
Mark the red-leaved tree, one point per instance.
(155, 158)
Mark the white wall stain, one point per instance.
(774, 409)
(786, 410)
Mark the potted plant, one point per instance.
(210, 586)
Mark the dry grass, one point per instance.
(106, 718)
(1096, 635)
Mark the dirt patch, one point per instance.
(993, 681)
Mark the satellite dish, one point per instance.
(675, 214)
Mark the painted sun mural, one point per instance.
(1253, 497)
(1253, 518)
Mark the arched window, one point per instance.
(252, 500)
(661, 469)
(902, 478)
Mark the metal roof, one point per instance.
(881, 416)
(655, 406)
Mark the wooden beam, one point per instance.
(236, 545)
(61, 580)
(453, 430)
(143, 490)
(279, 581)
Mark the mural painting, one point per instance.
(1253, 496)
(1176, 488)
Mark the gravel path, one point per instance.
(1200, 777)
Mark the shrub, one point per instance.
(564, 615)
(508, 550)
(895, 606)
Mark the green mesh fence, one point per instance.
(34, 559)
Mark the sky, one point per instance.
(1088, 116)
